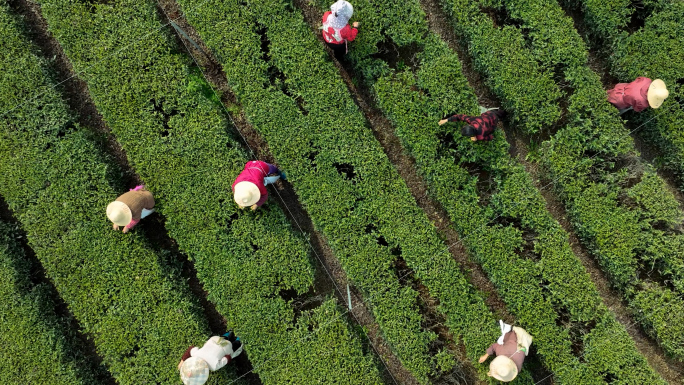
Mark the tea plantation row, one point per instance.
(618, 205)
(554, 280)
(38, 346)
(354, 196)
(656, 50)
(127, 297)
(183, 148)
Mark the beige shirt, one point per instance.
(136, 201)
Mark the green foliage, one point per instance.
(657, 203)
(525, 88)
(177, 139)
(125, 296)
(38, 346)
(584, 157)
(661, 310)
(444, 361)
(537, 276)
(339, 171)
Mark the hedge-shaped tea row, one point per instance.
(525, 89)
(294, 96)
(609, 18)
(657, 51)
(37, 345)
(180, 145)
(134, 306)
(601, 187)
(414, 103)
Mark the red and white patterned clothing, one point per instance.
(337, 36)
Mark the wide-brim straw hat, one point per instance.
(503, 369)
(119, 213)
(657, 93)
(246, 194)
(194, 371)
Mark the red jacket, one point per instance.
(254, 172)
(347, 33)
(632, 94)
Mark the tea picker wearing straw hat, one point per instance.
(638, 95)
(249, 189)
(128, 209)
(216, 353)
(510, 350)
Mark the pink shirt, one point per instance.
(632, 94)
(254, 172)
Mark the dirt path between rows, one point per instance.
(657, 359)
(330, 276)
(75, 93)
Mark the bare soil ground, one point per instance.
(77, 96)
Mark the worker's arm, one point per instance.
(130, 225)
(455, 118)
(272, 169)
(223, 361)
(490, 351)
(348, 33)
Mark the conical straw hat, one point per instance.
(503, 369)
(194, 371)
(246, 194)
(119, 213)
(657, 93)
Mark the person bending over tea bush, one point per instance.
(128, 209)
(510, 350)
(638, 95)
(216, 353)
(249, 189)
(336, 31)
(478, 128)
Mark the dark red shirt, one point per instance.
(484, 124)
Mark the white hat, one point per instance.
(503, 369)
(119, 213)
(344, 11)
(657, 93)
(194, 371)
(246, 194)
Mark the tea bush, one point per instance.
(182, 146)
